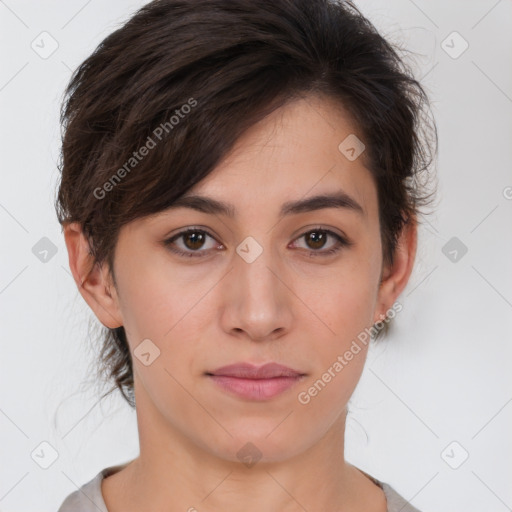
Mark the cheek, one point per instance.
(339, 354)
(341, 351)
(343, 303)
(157, 299)
(167, 309)
(173, 309)
(343, 300)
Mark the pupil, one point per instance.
(197, 239)
(320, 237)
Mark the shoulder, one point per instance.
(89, 497)
(395, 502)
(86, 499)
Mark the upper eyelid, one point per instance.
(190, 230)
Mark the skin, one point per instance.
(285, 306)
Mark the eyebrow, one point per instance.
(338, 199)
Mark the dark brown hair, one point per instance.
(185, 78)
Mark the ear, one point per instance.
(93, 281)
(395, 277)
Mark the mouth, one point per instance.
(255, 382)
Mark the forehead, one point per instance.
(295, 153)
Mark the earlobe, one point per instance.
(397, 275)
(92, 279)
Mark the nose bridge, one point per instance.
(258, 300)
(252, 268)
(254, 263)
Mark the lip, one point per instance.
(251, 371)
(255, 382)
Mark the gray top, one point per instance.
(89, 498)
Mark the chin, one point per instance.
(256, 442)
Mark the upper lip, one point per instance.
(251, 371)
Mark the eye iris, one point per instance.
(196, 238)
(318, 238)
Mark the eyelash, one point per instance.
(342, 242)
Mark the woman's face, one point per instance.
(258, 285)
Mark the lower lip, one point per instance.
(255, 389)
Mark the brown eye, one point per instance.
(192, 241)
(316, 239)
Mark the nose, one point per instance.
(258, 301)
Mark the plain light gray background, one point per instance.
(437, 390)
